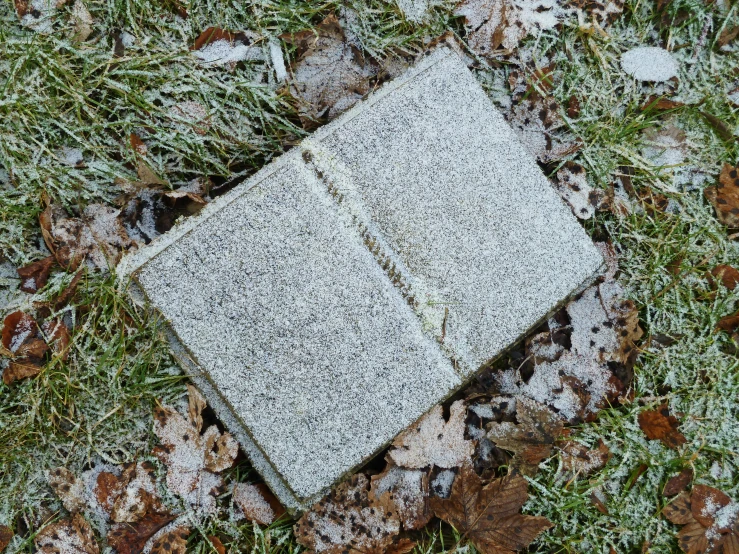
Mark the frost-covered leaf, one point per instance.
(193, 460)
(489, 515)
(350, 519)
(649, 63)
(173, 541)
(67, 536)
(69, 489)
(532, 438)
(330, 74)
(408, 490)
(431, 441)
(602, 12)
(82, 21)
(138, 495)
(579, 460)
(38, 14)
(216, 46)
(257, 503)
(678, 483)
(130, 538)
(34, 275)
(57, 336)
(21, 342)
(6, 535)
(725, 196)
(572, 185)
(492, 24)
(727, 275)
(660, 425)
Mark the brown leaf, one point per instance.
(173, 541)
(532, 438)
(20, 341)
(573, 107)
(217, 544)
(660, 425)
(331, 74)
(719, 125)
(577, 459)
(431, 441)
(213, 34)
(677, 483)
(20, 369)
(58, 336)
(34, 276)
(67, 536)
(258, 503)
(729, 34)
(598, 503)
(489, 516)
(69, 489)
(692, 539)
(705, 502)
(678, 511)
(602, 12)
(661, 104)
(6, 535)
(108, 487)
(572, 185)
(403, 546)
(130, 538)
(68, 293)
(729, 323)
(408, 490)
(138, 494)
(350, 519)
(728, 276)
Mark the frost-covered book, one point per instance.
(363, 277)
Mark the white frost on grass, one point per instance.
(414, 10)
(222, 52)
(278, 60)
(649, 63)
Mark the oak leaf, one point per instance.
(257, 503)
(350, 519)
(70, 536)
(660, 425)
(330, 74)
(431, 441)
(489, 515)
(725, 196)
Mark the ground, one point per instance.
(96, 407)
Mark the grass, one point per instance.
(96, 407)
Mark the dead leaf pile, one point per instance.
(535, 116)
(660, 425)
(488, 515)
(724, 196)
(194, 461)
(710, 521)
(330, 74)
(585, 358)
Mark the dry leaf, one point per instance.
(58, 337)
(138, 494)
(602, 12)
(725, 196)
(729, 323)
(431, 441)
(69, 489)
(492, 24)
(6, 535)
(34, 276)
(217, 544)
(728, 276)
(174, 541)
(572, 185)
(660, 425)
(67, 536)
(532, 438)
(578, 460)
(678, 483)
(350, 519)
(408, 490)
(330, 74)
(38, 14)
(193, 460)
(20, 341)
(257, 503)
(130, 538)
(489, 515)
(82, 21)
(216, 46)
(661, 104)
(710, 521)
(194, 114)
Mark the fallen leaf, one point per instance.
(38, 15)
(725, 196)
(58, 337)
(82, 21)
(138, 494)
(728, 276)
(6, 535)
(174, 541)
(602, 12)
(719, 125)
(408, 490)
(572, 185)
(193, 461)
(130, 538)
(257, 503)
(727, 35)
(194, 114)
(69, 489)
(67, 536)
(729, 323)
(660, 425)
(598, 503)
(216, 46)
(330, 74)
(678, 483)
(217, 544)
(21, 342)
(108, 487)
(492, 24)
(489, 515)
(349, 519)
(532, 438)
(578, 460)
(431, 441)
(661, 104)
(710, 521)
(34, 276)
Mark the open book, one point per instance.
(349, 286)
